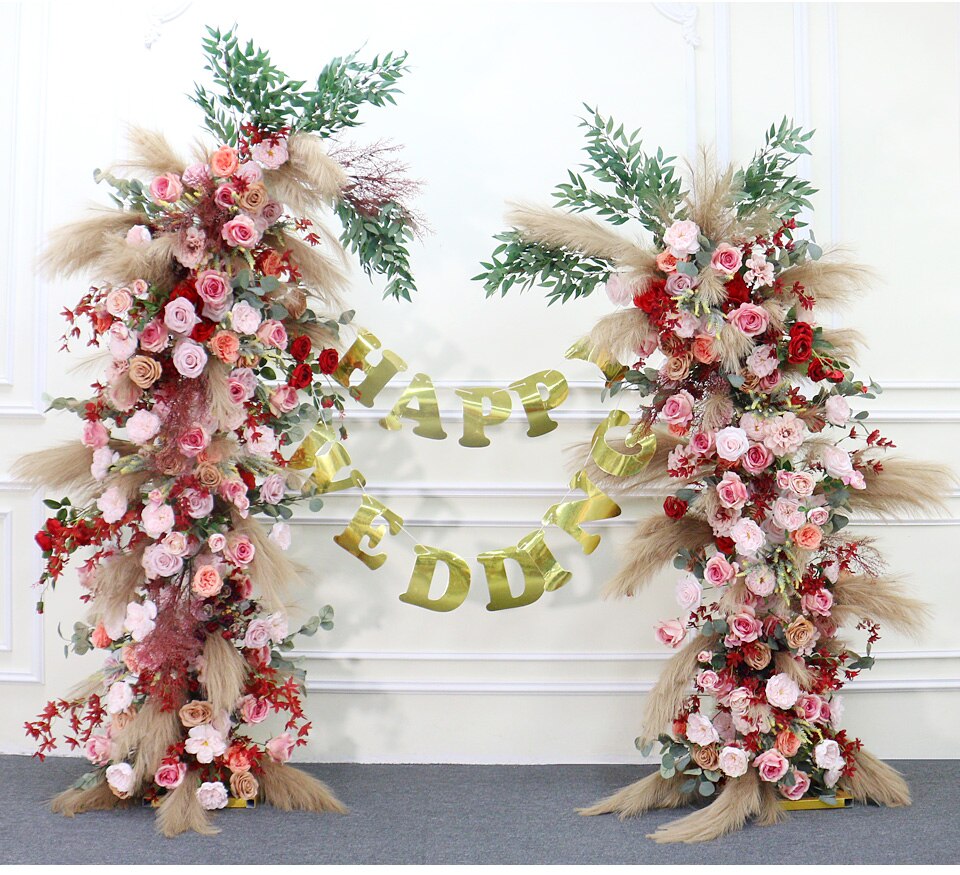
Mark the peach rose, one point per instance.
(788, 743)
(707, 757)
(677, 367)
(225, 345)
(757, 655)
(244, 786)
(144, 371)
(206, 582)
(100, 637)
(703, 350)
(799, 633)
(254, 199)
(666, 262)
(208, 475)
(238, 759)
(808, 536)
(196, 713)
(224, 162)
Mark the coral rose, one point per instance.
(206, 582)
(224, 162)
(808, 536)
(225, 345)
(788, 743)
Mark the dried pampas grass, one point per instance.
(99, 797)
(63, 468)
(881, 599)
(144, 741)
(575, 232)
(832, 281)
(904, 485)
(80, 245)
(673, 686)
(290, 789)
(116, 582)
(710, 200)
(654, 543)
(320, 336)
(222, 407)
(620, 334)
(653, 477)
(309, 179)
(846, 343)
(739, 800)
(786, 663)
(733, 346)
(225, 671)
(324, 278)
(270, 569)
(875, 781)
(647, 794)
(151, 153)
(710, 289)
(181, 811)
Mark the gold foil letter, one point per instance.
(426, 414)
(376, 376)
(474, 419)
(613, 461)
(326, 464)
(534, 405)
(458, 585)
(361, 526)
(569, 514)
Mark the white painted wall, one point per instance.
(489, 113)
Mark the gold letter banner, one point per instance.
(483, 407)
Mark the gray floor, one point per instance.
(470, 814)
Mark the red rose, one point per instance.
(816, 370)
(835, 375)
(203, 331)
(187, 289)
(679, 727)
(737, 290)
(674, 507)
(301, 376)
(328, 360)
(800, 347)
(247, 477)
(327, 401)
(725, 545)
(300, 348)
(44, 541)
(54, 526)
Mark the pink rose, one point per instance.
(772, 765)
(257, 634)
(818, 516)
(249, 172)
(689, 591)
(280, 535)
(702, 442)
(241, 232)
(732, 491)
(272, 489)
(718, 570)
(818, 602)
(118, 301)
(239, 550)
(95, 435)
(272, 212)
(732, 443)
(678, 409)
(139, 235)
(808, 536)
(670, 632)
(180, 316)
(216, 542)
(808, 706)
(224, 162)
(283, 399)
(246, 378)
(154, 337)
(261, 441)
(280, 747)
(756, 459)
(225, 196)
(801, 483)
(166, 188)
(801, 783)
(745, 627)
(837, 410)
(196, 504)
(170, 775)
(158, 561)
(122, 341)
(726, 259)
(750, 319)
(253, 710)
(708, 680)
(193, 441)
(189, 358)
(97, 749)
(272, 333)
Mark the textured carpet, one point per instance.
(470, 814)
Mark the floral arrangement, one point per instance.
(217, 307)
(761, 454)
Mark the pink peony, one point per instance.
(191, 247)
(166, 188)
(112, 505)
(760, 580)
(670, 632)
(270, 153)
(157, 518)
(787, 513)
(241, 232)
(280, 747)
(121, 341)
(772, 765)
(837, 410)
(726, 259)
(205, 743)
(212, 795)
(95, 434)
(244, 318)
(260, 441)
(782, 691)
(206, 582)
(763, 361)
(783, 434)
(760, 271)
(196, 176)
(143, 426)
(733, 762)
(280, 535)
(97, 749)
(246, 378)
(139, 235)
(700, 730)
(682, 238)
(189, 358)
(120, 779)
(750, 319)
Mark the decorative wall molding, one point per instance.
(723, 114)
(686, 14)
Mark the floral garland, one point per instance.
(744, 388)
(220, 355)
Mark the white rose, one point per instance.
(831, 776)
(732, 443)
(827, 755)
(782, 691)
(838, 410)
(700, 730)
(120, 778)
(212, 795)
(733, 762)
(119, 697)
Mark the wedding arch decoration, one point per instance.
(217, 302)
(761, 456)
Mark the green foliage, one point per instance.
(765, 184)
(380, 242)
(564, 274)
(248, 87)
(645, 187)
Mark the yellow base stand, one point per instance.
(231, 803)
(844, 800)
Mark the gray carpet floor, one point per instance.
(470, 814)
